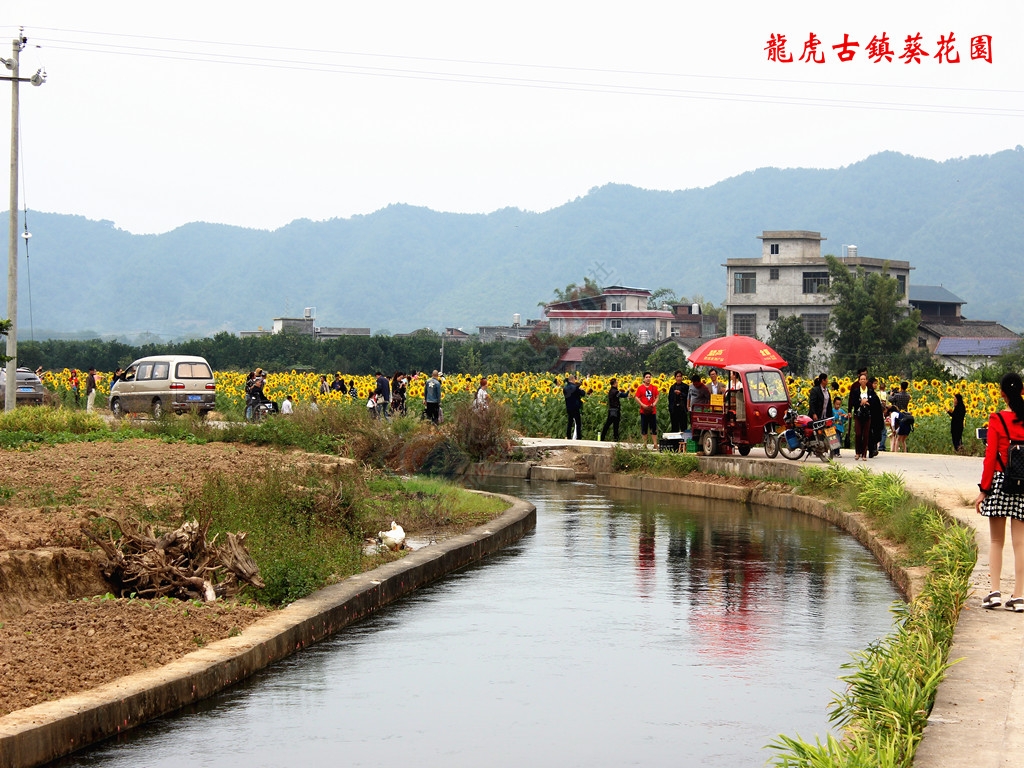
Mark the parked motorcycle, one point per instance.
(257, 410)
(802, 436)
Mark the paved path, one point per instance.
(978, 717)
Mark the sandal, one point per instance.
(995, 599)
(1015, 604)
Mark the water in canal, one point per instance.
(627, 630)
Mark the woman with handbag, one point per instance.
(861, 403)
(995, 503)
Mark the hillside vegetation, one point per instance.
(403, 267)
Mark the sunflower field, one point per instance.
(538, 407)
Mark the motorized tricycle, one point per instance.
(748, 413)
(803, 436)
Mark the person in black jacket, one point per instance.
(614, 411)
(956, 426)
(819, 402)
(877, 418)
(677, 395)
(862, 403)
(574, 395)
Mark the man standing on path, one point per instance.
(677, 395)
(574, 395)
(90, 390)
(432, 397)
(647, 397)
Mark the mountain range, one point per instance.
(959, 222)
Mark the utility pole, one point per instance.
(11, 390)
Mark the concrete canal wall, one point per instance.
(39, 734)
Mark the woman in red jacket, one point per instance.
(996, 505)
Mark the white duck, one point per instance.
(393, 539)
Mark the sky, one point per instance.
(259, 113)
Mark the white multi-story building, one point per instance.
(791, 278)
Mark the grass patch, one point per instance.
(29, 426)
(667, 464)
(890, 687)
(894, 513)
(308, 529)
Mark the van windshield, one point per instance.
(192, 371)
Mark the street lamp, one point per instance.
(11, 391)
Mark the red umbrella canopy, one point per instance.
(736, 350)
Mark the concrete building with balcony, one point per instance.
(791, 278)
(622, 310)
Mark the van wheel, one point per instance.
(158, 409)
(709, 443)
(115, 406)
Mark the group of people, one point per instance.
(338, 385)
(869, 418)
(682, 397)
(389, 396)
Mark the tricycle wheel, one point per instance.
(771, 445)
(709, 443)
(743, 449)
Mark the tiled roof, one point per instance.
(935, 293)
(969, 329)
(974, 347)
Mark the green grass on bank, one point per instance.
(658, 463)
(890, 686)
(308, 529)
(402, 443)
(305, 530)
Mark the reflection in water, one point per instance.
(628, 630)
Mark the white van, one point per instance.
(162, 383)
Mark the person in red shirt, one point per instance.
(996, 505)
(647, 396)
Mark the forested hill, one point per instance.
(958, 222)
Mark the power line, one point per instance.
(512, 80)
(475, 62)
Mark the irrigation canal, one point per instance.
(626, 630)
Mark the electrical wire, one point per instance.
(596, 85)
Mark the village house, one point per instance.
(791, 278)
(958, 344)
(622, 310)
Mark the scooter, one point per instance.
(803, 436)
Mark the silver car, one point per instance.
(30, 388)
(165, 383)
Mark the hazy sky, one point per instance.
(256, 113)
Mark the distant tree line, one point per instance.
(288, 351)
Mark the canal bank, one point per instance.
(40, 734)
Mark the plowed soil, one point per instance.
(50, 648)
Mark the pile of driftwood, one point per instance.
(181, 563)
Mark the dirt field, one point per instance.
(49, 648)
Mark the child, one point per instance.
(842, 418)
